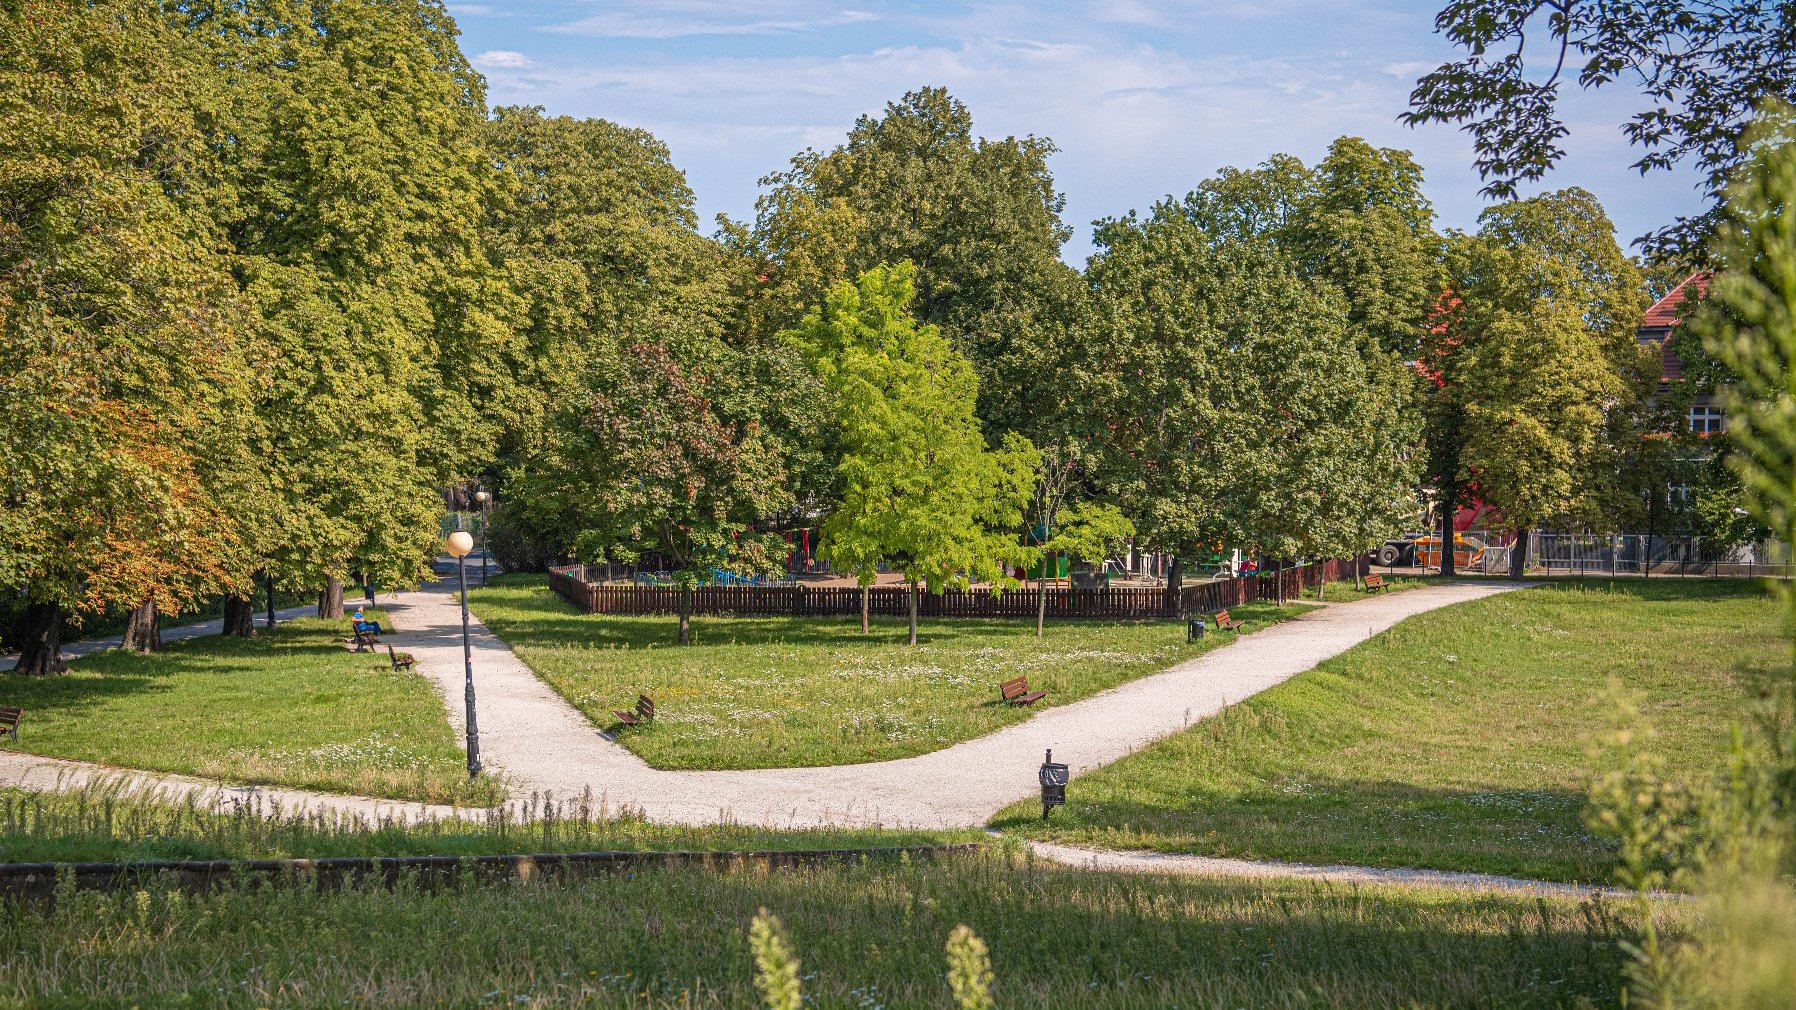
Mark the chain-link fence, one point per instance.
(1643, 554)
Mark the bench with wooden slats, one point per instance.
(9, 721)
(401, 660)
(1226, 623)
(1376, 581)
(362, 640)
(1016, 692)
(644, 713)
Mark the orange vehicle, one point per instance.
(1468, 552)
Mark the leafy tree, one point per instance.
(1240, 409)
(1703, 67)
(1357, 221)
(662, 452)
(1534, 365)
(979, 219)
(354, 187)
(121, 349)
(919, 487)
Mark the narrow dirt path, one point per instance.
(1210, 866)
(75, 650)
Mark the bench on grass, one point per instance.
(9, 721)
(1226, 623)
(401, 660)
(362, 640)
(1375, 581)
(1016, 692)
(644, 713)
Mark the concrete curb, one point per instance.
(39, 880)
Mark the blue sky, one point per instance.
(1143, 98)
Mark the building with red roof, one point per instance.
(1656, 329)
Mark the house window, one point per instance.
(1705, 419)
(1677, 495)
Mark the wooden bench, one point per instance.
(363, 641)
(401, 660)
(1376, 581)
(645, 712)
(9, 721)
(1016, 692)
(1226, 623)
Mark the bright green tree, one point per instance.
(919, 488)
(122, 354)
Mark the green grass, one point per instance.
(291, 708)
(1344, 592)
(776, 692)
(1460, 739)
(868, 935)
(104, 823)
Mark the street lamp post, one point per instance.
(459, 544)
(486, 538)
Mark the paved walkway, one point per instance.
(543, 744)
(1210, 866)
(75, 650)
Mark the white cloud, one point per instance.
(631, 25)
(508, 59)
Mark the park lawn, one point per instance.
(292, 708)
(1461, 739)
(105, 823)
(866, 935)
(780, 692)
(1345, 592)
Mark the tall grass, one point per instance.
(103, 823)
(868, 935)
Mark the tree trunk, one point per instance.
(330, 599)
(685, 615)
(143, 632)
(865, 624)
(42, 648)
(1518, 555)
(1175, 588)
(1041, 603)
(239, 617)
(1449, 505)
(913, 611)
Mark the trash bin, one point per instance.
(1053, 785)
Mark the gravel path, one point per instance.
(1210, 866)
(544, 744)
(75, 650)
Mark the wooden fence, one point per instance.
(570, 583)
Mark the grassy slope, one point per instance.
(866, 936)
(292, 708)
(1460, 739)
(771, 692)
(103, 824)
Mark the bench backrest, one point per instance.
(1014, 687)
(1222, 617)
(645, 708)
(9, 717)
(1374, 580)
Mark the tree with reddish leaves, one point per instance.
(663, 452)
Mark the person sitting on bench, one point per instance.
(363, 624)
